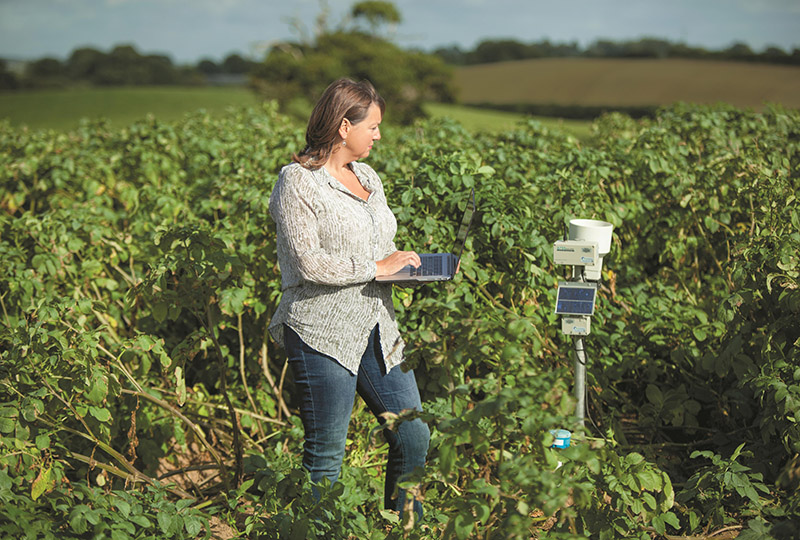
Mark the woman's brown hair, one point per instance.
(342, 99)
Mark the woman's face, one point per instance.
(360, 137)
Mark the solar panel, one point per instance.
(575, 298)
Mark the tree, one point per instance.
(159, 70)
(237, 65)
(84, 63)
(45, 73)
(775, 55)
(452, 55)
(498, 50)
(376, 14)
(208, 67)
(739, 51)
(8, 81)
(405, 79)
(45, 67)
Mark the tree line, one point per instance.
(359, 46)
(499, 50)
(122, 66)
(293, 72)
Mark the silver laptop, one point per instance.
(438, 266)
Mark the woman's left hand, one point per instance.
(396, 261)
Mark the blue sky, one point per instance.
(188, 30)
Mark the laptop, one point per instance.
(437, 266)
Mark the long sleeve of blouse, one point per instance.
(328, 242)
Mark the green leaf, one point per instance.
(181, 385)
(699, 333)
(168, 522)
(5, 480)
(634, 458)
(7, 425)
(299, 530)
(32, 408)
(123, 507)
(141, 521)
(694, 521)
(42, 441)
(101, 413)
(77, 519)
(671, 519)
(668, 492)
(654, 395)
(447, 456)
(751, 494)
(658, 524)
(463, 524)
(482, 512)
(389, 516)
(42, 483)
(193, 526)
(159, 311)
(231, 301)
(649, 479)
(120, 532)
(99, 387)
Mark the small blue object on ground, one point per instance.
(561, 438)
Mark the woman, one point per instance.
(337, 324)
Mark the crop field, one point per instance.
(141, 397)
(629, 83)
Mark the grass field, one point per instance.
(63, 109)
(476, 119)
(628, 83)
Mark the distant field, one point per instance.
(628, 83)
(63, 109)
(495, 121)
(564, 82)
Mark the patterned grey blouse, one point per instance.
(328, 242)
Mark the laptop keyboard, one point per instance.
(431, 266)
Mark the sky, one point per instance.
(190, 30)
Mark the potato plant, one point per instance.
(140, 396)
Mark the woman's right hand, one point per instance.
(396, 261)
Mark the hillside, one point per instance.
(628, 83)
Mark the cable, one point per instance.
(575, 340)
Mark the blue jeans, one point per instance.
(327, 392)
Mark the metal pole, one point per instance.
(580, 378)
(580, 362)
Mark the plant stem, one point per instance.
(194, 427)
(277, 389)
(237, 442)
(242, 373)
(127, 476)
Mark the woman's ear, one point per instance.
(344, 128)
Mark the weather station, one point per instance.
(589, 241)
